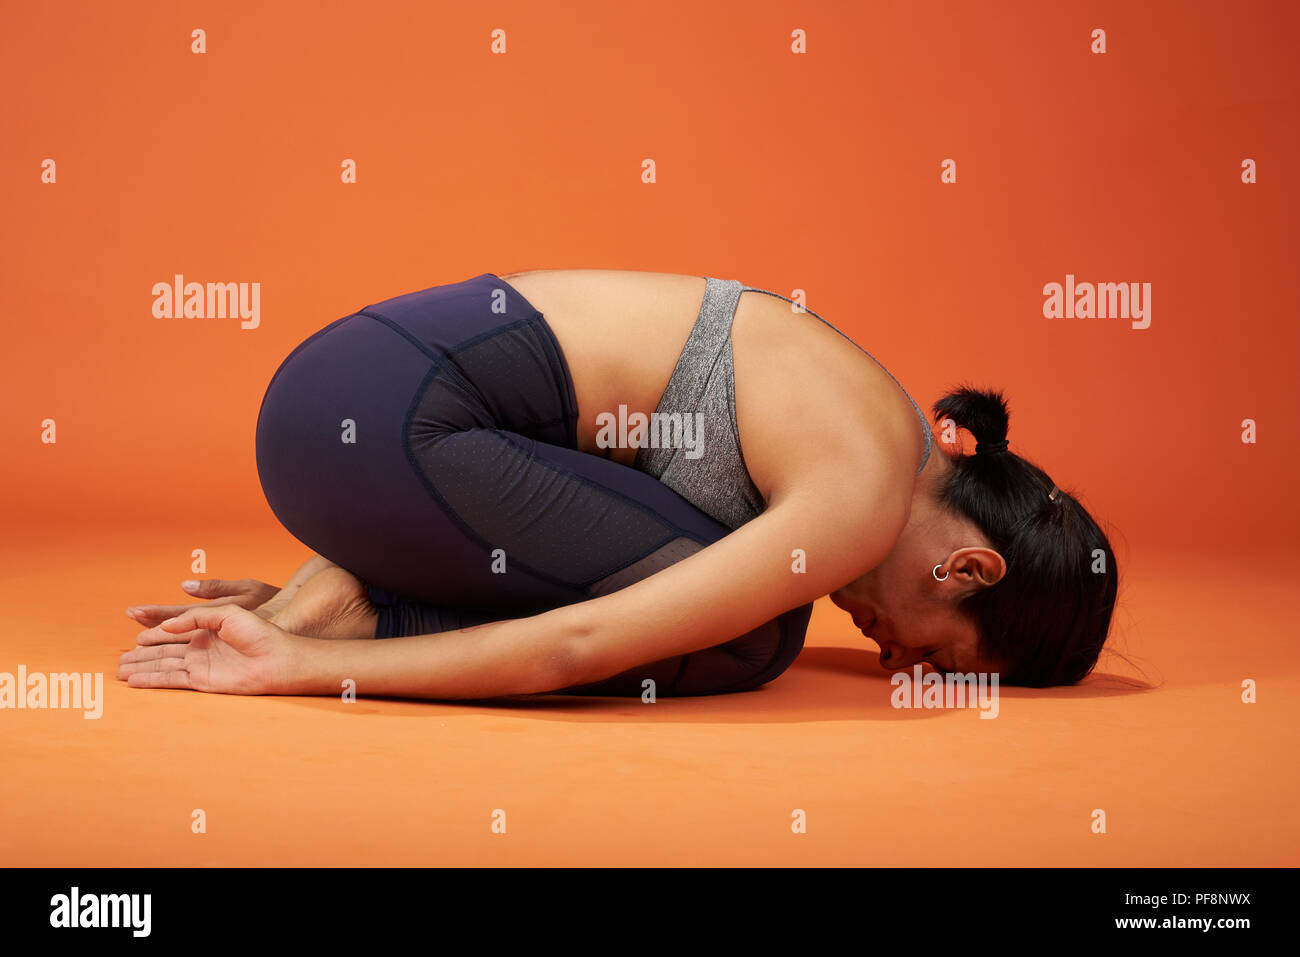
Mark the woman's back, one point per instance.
(622, 333)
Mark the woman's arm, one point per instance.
(802, 547)
(841, 526)
(829, 528)
(515, 656)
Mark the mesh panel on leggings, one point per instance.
(547, 520)
(516, 360)
(657, 560)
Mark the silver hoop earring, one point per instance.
(935, 572)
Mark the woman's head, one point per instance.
(997, 570)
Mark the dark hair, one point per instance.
(1047, 618)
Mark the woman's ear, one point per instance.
(977, 564)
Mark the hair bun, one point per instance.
(982, 412)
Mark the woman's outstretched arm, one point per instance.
(720, 593)
(805, 545)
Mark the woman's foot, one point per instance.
(310, 568)
(331, 604)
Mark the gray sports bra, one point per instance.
(705, 465)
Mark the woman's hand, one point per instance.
(218, 648)
(259, 597)
(243, 593)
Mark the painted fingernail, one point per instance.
(189, 584)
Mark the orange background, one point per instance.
(817, 172)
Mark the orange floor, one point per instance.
(1186, 773)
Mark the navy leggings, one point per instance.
(428, 445)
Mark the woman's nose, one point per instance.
(893, 657)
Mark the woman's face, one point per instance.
(913, 617)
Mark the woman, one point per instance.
(469, 464)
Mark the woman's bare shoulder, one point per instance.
(810, 402)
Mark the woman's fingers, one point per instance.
(192, 621)
(149, 667)
(223, 621)
(220, 587)
(152, 653)
(154, 664)
(161, 679)
(150, 615)
(245, 592)
(157, 636)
